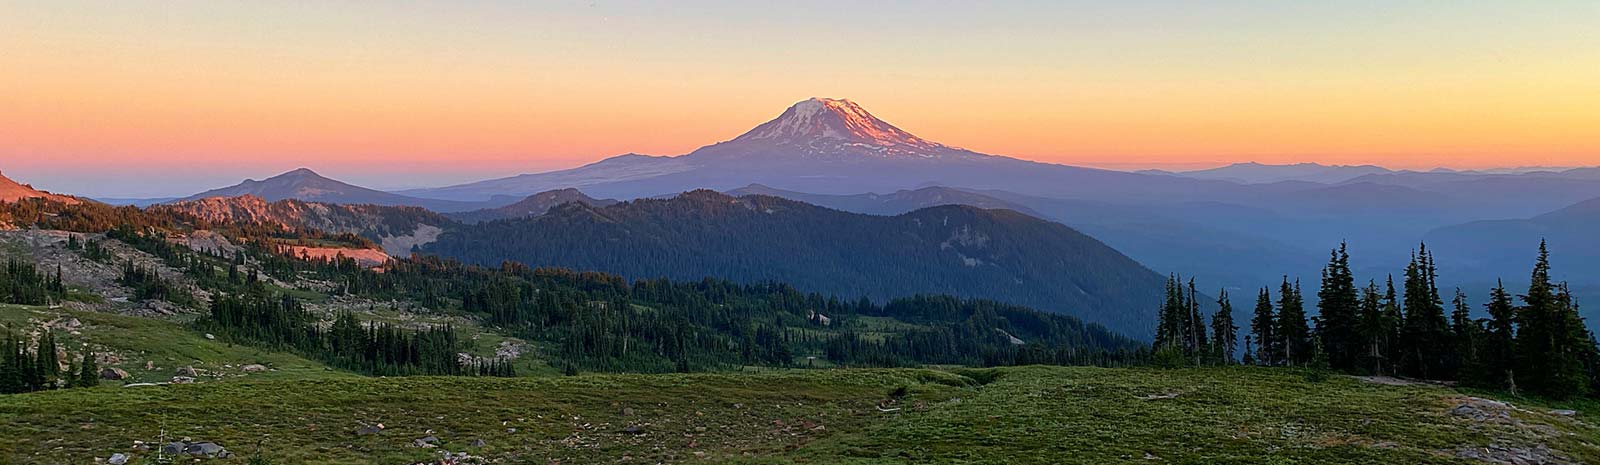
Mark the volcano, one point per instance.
(826, 146)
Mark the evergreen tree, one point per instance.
(1293, 332)
(1198, 344)
(1467, 336)
(1264, 326)
(1498, 352)
(1394, 326)
(1551, 343)
(1248, 359)
(88, 371)
(1426, 332)
(1373, 329)
(1223, 331)
(1337, 309)
(1168, 322)
(47, 361)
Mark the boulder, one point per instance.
(478, 443)
(182, 380)
(173, 448)
(371, 429)
(427, 442)
(187, 371)
(206, 449)
(113, 373)
(253, 368)
(118, 459)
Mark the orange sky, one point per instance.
(433, 93)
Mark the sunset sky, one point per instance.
(97, 98)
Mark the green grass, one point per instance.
(1043, 415)
(136, 340)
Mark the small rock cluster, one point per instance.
(197, 449)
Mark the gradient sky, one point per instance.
(98, 97)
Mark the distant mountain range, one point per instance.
(307, 185)
(1256, 173)
(12, 191)
(1506, 248)
(960, 250)
(894, 203)
(828, 146)
(1240, 226)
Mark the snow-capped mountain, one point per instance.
(818, 145)
(831, 128)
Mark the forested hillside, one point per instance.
(580, 320)
(959, 250)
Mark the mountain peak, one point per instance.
(305, 184)
(828, 125)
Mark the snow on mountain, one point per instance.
(818, 145)
(824, 124)
(829, 129)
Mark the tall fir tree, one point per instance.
(1169, 323)
(47, 361)
(1264, 326)
(1293, 331)
(1394, 324)
(1198, 345)
(1224, 333)
(1427, 332)
(1550, 345)
(1466, 339)
(1372, 329)
(1337, 309)
(88, 371)
(1498, 354)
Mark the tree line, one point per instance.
(22, 283)
(25, 369)
(281, 322)
(1534, 342)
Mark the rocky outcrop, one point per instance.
(397, 228)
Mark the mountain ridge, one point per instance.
(396, 228)
(830, 146)
(12, 191)
(305, 184)
(960, 250)
(533, 205)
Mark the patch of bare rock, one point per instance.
(1515, 442)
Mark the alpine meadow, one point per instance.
(631, 232)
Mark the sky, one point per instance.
(99, 98)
